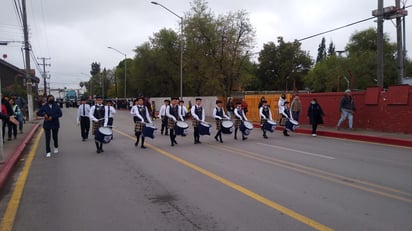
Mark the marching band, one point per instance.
(173, 114)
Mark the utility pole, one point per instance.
(380, 44)
(27, 60)
(44, 74)
(399, 43)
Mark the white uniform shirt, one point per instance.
(83, 111)
(193, 111)
(137, 113)
(94, 119)
(171, 116)
(236, 112)
(218, 117)
(262, 115)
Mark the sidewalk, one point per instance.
(355, 134)
(14, 148)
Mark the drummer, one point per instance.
(240, 117)
(172, 112)
(198, 116)
(109, 109)
(265, 114)
(142, 116)
(219, 115)
(99, 117)
(286, 114)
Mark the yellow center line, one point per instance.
(11, 211)
(308, 221)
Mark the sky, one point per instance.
(75, 33)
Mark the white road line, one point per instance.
(301, 152)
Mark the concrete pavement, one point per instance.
(13, 149)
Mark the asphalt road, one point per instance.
(281, 183)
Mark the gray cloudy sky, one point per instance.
(76, 33)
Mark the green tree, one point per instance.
(217, 50)
(331, 49)
(362, 59)
(281, 64)
(321, 51)
(359, 67)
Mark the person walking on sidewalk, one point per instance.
(347, 108)
(83, 118)
(51, 113)
(296, 107)
(315, 114)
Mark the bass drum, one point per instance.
(104, 135)
(204, 128)
(227, 127)
(269, 125)
(246, 127)
(181, 128)
(291, 125)
(149, 130)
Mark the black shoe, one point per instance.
(216, 138)
(285, 133)
(98, 151)
(8, 139)
(143, 147)
(199, 142)
(221, 141)
(173, 144)
(244, 138)
(136, 143)
(166, 134)
(15, 137)
(265, 136)
(235, 138)
(174, 141)
(101, 150)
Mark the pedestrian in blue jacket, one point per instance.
(51, 113)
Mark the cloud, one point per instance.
(76, 33)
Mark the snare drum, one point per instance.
(104, 135)
(204, 128)
(269, 125)
(181, 128)
(245, 127)
(291, 125)
(149, 130)
(227, 127)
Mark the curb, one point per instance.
(11, 161)
(352, 136)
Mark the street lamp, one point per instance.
(181, 45)
(125, 57)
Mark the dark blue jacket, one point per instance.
(54, 111)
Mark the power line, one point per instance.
(341, 27)
(338, 28)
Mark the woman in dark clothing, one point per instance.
(51, 113)
(6, 109)
(315, 114)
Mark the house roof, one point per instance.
(18, 70)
